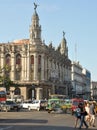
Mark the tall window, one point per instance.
(18, 59)
(18, 66)
(32, 59)
(8, 59)
(39, 67)
(32, 67)
(39, 59)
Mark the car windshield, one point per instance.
(75, 103)
(10, 102)
(43, 101)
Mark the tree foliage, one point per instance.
(4, 77)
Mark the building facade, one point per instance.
(81, 81)
(37, 70)
(87, 81)
(94, 90)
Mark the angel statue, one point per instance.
(35, 6)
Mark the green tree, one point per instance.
(5, 79)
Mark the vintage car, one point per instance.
(9, 106)
(66, 107)
(54, 104)
(75, 103)
(35, 105)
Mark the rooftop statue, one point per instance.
(35, 6)
(63, 34)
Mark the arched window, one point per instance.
(17, 91)
(18, 67)
(18, 59)
(8, 59)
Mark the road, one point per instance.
(37, 121)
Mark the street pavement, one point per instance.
(37, 121)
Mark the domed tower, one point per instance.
(64, 48)
(35, 28)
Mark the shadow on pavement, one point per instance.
(38, 127)
(23, 121)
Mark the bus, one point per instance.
(2, 96)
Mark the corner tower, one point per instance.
(64, 48)
(35, 28)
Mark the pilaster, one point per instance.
(23, 68)
(42, 67)
(35, 66)
(13, 67)
(39, 94)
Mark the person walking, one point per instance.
(77, 115)
(88, 116)
(83, 114)
(93, 113)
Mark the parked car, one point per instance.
(35, 105)
(9, 105)
(66, 107)
(54, 104)
(26, 104)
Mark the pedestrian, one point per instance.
(77, 115)
(88, 116)
(93, 113)
(83, 114)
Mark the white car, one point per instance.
(26, 104)
(35, 105)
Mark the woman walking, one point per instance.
(77, 115)
(83, 114)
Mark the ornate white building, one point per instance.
(81, 80)
(37, 69)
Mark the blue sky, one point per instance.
(78, 18)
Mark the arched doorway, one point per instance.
(32, 94)
(17, 91)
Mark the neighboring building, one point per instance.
(94, 90)
(36, 69)
(76, 77)
(87, 81)
(80, 81)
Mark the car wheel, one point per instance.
(29, 108)
(6, 109)
(38, 109)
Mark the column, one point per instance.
(23, 68)
(2, 59)
(42, 67)
(38, 93)
(45, 68)
(28, 64)
(2, 56)
(35, 67)
(13, 67)
(53, 88)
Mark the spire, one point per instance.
(64, 48)
(35, 28)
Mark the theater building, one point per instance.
(38, 70)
